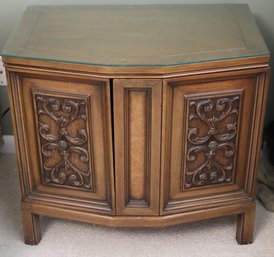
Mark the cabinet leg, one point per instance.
(245, 226)
(31, 227)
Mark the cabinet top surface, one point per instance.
(141, 35)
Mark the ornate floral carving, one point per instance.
(62, 127)
(211, 139)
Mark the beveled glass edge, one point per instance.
(266, 54)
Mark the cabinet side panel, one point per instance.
(137, 122)
(17, 122)
(137, 137)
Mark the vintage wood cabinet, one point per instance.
(137, 116)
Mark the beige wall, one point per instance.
(11, 10)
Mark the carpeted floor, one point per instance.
(75, 239)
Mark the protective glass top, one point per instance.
(145, 35)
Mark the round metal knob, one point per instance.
(63, 145)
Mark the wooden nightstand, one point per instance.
(137, 116)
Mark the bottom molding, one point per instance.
(136, 221)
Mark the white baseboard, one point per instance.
(8, 145)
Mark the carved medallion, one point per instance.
(64, 144)
(211, 140)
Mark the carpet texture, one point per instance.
(63, 238)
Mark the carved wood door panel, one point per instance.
(137, 132)
(68, 164)
(205, 139)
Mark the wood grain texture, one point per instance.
(131, 35)
(152, 127)
(138, 136)
(137, 118)
(31, 226)
(64, 139)
(212, 129)
(176, 163)
(147, 115)
(100, 197)
(58, 211)
(137, 121)
(245, 225)
(69, 69)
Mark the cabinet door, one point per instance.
(65, 129)
(137, 126)
(209, 139)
